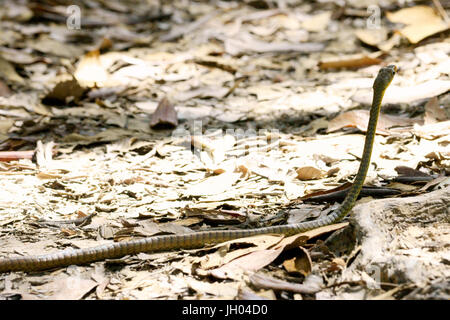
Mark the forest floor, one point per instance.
(169, 117)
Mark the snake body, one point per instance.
(199, 239)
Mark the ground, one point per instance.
(141, 118)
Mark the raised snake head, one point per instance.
(384, 78)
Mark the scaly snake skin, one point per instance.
(199, 239)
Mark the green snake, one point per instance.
(199, 239)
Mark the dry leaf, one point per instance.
(432, 131)
(350, 63)
(301, 264)
(318, 22)
(214, 184)
(378, 38)
(309, 173)
(64, 92)
(164, 116)
(372, 37)
(421, 21)
(7, 71)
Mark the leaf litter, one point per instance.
(123, 121)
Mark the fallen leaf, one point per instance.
(318, 22)
(256, 257)
(432, 131)
(350, 63)
(372, 37)
(421, 21)
(378, 38)
(214, 184)
(223, 290)
(309, 173)
(7, 71)
(65, 287)
(64, 92)
(164, 116)
(301, 264)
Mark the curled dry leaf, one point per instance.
(301, 264)
(164, 116)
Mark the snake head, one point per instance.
(384, 78)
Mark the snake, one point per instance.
(200, 238)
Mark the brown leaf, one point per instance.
(309, 173)
(350, 63)
(165, 115)
(301, 264)
(64, 92)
